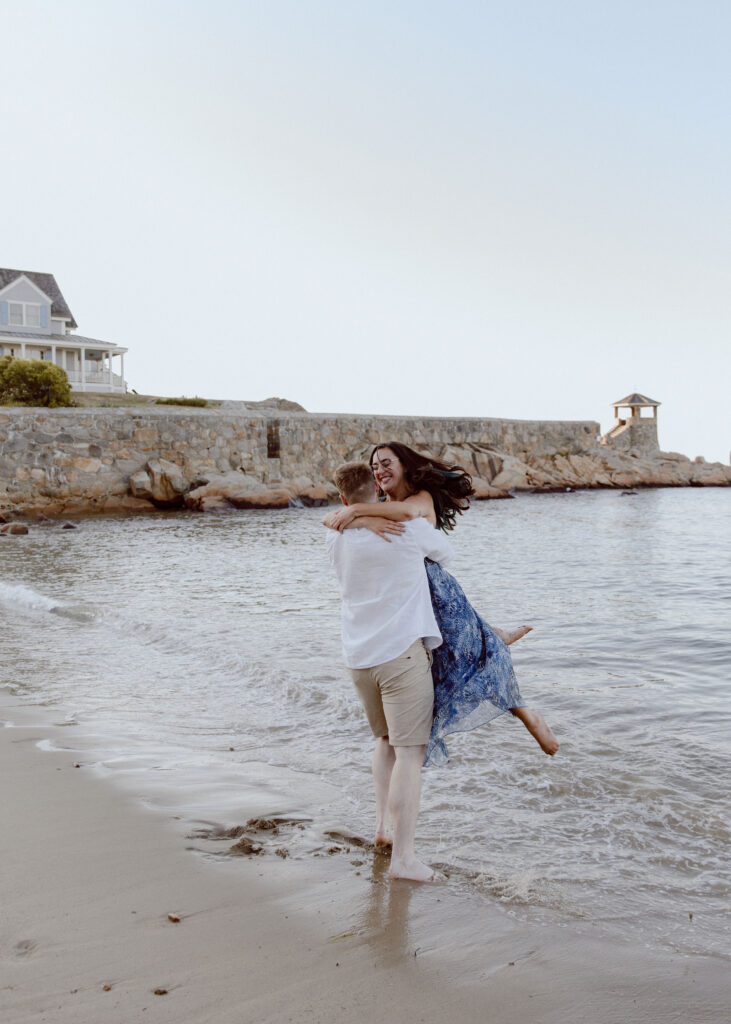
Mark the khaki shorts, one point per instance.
(398, 697)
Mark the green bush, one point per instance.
(33, 382)
(181, 401)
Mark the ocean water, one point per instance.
(199, 657)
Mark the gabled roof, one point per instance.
(637, 399)
(47, 284)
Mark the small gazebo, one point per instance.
(634, 432)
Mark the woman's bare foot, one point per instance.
(509, 636)
(539, 729)
(414, 871)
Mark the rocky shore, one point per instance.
(65, 462)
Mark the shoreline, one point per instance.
(91, 876)
(25, 515)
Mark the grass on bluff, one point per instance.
(200, 402)
(91, 400)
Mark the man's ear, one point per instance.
(343, 499)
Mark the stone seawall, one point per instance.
(63, 461)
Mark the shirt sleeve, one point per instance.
(433, 543)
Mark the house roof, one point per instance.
(62, 340)
(637, 399)
(47, 284)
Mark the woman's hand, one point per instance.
(339, 518)
(385, 528)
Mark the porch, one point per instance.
(89, 364)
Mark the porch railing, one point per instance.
(95, 377)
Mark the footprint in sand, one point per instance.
(25, 947)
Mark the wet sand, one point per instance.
(90, 877)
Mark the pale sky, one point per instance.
(442, 208)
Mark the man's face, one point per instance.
(388, 471)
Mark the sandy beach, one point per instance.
(90, 877)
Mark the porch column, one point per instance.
(83, 369)
(22, 350)
(122, 358)
(111, 370)
(53, 354)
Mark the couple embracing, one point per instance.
(422, 660)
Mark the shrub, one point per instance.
(181, 401)
(33, 382)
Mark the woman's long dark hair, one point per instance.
(449, 486)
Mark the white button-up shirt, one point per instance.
(386, 604)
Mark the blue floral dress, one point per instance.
(473, 673)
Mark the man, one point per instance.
(388, 628)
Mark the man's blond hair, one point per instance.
(354, 480)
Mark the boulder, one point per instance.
(455, 455)
(542, 474)
(161, 482)
(222, 485)
(512, 476)
(126, 503)
(485, 491)
(275, 497)
(14, 529)
(48, 508)
(213, 503)
(320, 496)
(487, 465)
(673, 456)
(711, 474)
(241, 491)
(168, 483)
(140, 484)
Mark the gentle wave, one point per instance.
(26, 599)
(192, 642)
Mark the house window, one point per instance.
(32, 314)
(24, 314)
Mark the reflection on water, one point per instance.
(385, 921)
(209, 647)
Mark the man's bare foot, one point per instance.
(414, 871)
(509, 636)
(539, 729)
(382, 843)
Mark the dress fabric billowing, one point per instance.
(473, 673)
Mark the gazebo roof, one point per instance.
(637, 399)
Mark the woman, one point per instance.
(473, 673)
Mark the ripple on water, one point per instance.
(182, 637)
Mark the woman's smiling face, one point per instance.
(388, 471)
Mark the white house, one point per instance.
(36, 323)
